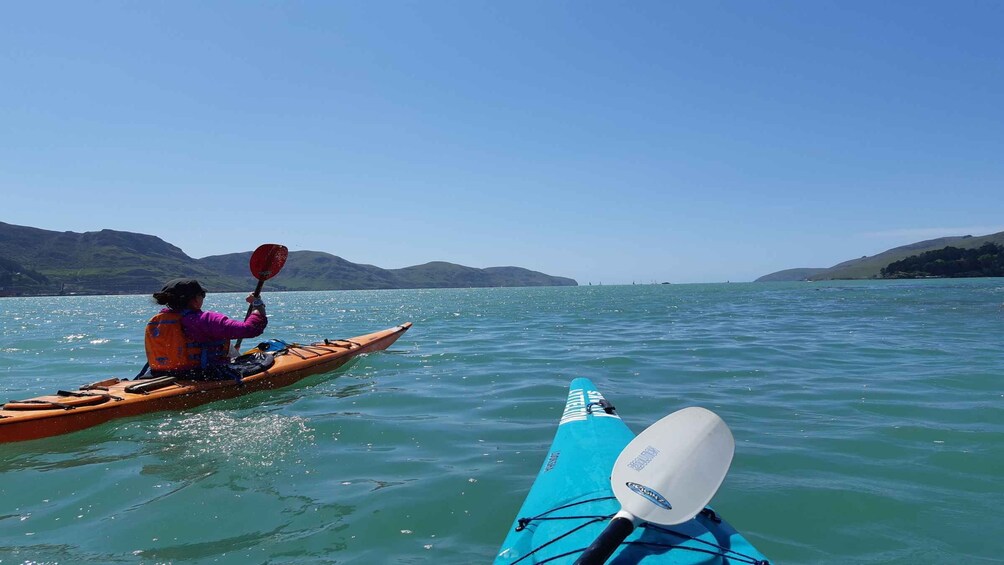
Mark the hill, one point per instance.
(36, 261)
(787, 275)
(871, 267)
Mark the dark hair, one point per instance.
(177, 293)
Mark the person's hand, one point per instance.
(256, 303)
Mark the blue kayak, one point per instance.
(571, 501)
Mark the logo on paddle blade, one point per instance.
(644, 458)
(650, 495)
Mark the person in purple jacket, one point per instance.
(185, 341)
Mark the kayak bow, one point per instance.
(571, 501)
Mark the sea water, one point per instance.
(868, 417)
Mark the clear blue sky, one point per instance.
(610, 142)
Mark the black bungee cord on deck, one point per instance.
(716, 550)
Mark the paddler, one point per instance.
(185, 341)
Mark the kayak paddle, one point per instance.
(665, 476)
(266, 262)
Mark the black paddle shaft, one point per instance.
(606, 543)
(257, 293)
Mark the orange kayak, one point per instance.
(97, 403)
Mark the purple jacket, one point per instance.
(205, 326)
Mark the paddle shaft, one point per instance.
(257, 293)
(607, 542)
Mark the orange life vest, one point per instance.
(168, 350)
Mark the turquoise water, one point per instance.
(868, 416)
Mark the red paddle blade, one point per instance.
(267, 260)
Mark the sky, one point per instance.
(611, 142)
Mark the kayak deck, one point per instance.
(571, 501)
(96, 403)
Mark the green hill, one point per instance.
(446, 275)
(787, 275)
(871, 267)
(36, 261)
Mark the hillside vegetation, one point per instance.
(36, 261)
(950, 262)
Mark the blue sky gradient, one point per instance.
(610, 142)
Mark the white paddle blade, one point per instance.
(671, 471)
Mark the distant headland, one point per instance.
(41, 262)
(961, 256)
